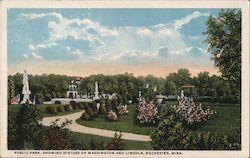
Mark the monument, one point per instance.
(96, 97)
(26, 92)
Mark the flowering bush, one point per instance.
(191, 112)
(147, 112)
(122, 109)
(112, 116)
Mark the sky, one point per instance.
(82, 42)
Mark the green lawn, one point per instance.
(129, 145)
(222, 122)
(125, 123)
(42, 110)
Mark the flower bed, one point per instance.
(112, 116)
(191, 112)
(122, 109)
(147, 112)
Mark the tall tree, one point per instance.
(224, 40)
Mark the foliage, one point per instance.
(112, 116)
(87, 116)
(127, 86)
(224, 39)
(51, 109)
(102, 109)
(56, 137)
(60, 108)
(192, 113)
(170, 134)
(68, 107)
(94, 145)
(147, 112)
(122, 109)
(117, 143)
(11, 90)
(25, 128)
(207, 141)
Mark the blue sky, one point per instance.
(82, 42)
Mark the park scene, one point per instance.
(124, 79)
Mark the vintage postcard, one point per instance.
(124, 79)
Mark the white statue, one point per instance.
(182, 93)
(26, 92)
(96, 97)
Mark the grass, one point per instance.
(86, 138)
(222, 123)
(125, 123)
(42, 109)
(129, 145)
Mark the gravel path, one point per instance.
(94, 131)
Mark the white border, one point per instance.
(243, 5)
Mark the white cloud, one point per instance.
(46, 45)
(76, 52)
(32, 16)
(144, 31)
(179, 23)
(117, 43)
(36, 56)
(25, 56)
(32, 47)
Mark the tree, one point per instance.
(224, 41)
(11, 90)
(26, 127)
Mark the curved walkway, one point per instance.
(88, 130)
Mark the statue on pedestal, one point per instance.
(96, 97)
(26, 92)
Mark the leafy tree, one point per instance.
(56, 137)
(11, 90)
(27, 128)
(224, 39)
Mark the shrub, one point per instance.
(192, 113)
(68, 107)
(117, 143)
(147, 112)
(81, 105)
(108, 104)
(73, 104)
(89, 110)
(60, 108)
(94, 145)
(86, 116)
(102, 109)
(112, 116)
(122, 109)
(58, 102)
(170, 134)
(207, 141)
(51, 109)
(56, 137)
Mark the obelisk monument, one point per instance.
(26, 92)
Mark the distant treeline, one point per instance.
(214, 88)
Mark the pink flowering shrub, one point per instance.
(112, 116)
(191, 112)
(122, 109)
(147, 112)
